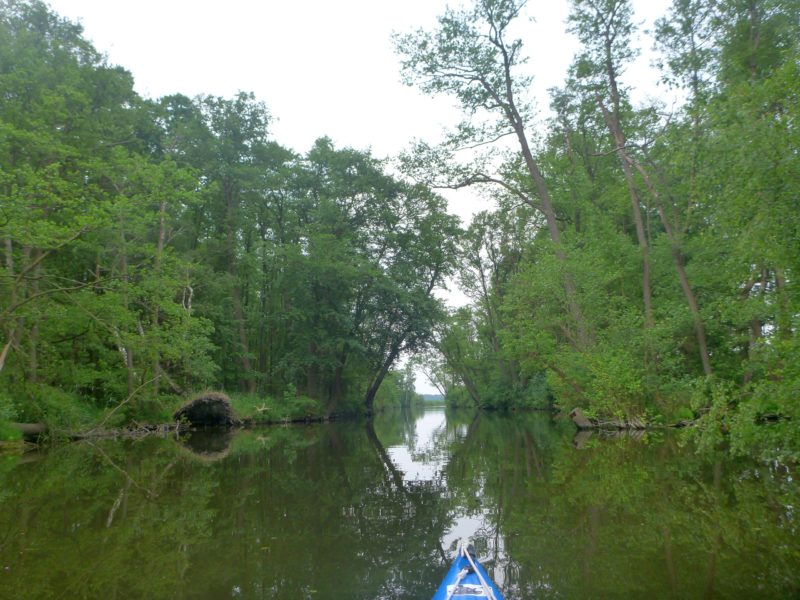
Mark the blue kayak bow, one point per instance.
(467, 579)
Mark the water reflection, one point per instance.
(420, 455)
(374, 509)
(208, 444)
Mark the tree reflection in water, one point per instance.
(372, 510)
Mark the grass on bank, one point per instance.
(8, 413)
(65, 413)
(255, 408)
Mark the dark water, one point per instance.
(350, 510)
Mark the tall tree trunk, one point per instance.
(238, 313)
(613, 119)
(552, 227)
(22, 294)
(6, 349)
(11, 329)
(127, 351)
(33, 335)
(678, 261)
(462, 373)
(156, 309)
(783, 317)
(756, 325)
(618, 136)
(394, 352)
(312, 373)
(472, 389)
(246, 380)
(262, 351)
(506, 100)
(495, 324)
(628, 163)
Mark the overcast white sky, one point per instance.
(323, 67)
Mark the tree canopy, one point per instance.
(643, 261)
(634, 261)
(154, 247)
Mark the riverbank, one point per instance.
(586, 423)
(204, 409)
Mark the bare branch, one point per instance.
(609, 152)
(44, 255)
(10, 309)
(124, 402)
(478, 178)
(485, 142)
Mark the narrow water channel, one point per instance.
(374, 510)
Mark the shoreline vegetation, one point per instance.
(636, 264)
(237, 411)
(215, 410)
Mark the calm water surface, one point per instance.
(360, 510)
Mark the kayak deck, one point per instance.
(462, 582)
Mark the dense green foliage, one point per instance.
(151, 248)
(639, 262)
(645, 261)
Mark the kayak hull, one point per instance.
(469, 587)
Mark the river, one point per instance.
(363, 510)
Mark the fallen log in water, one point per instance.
(581, 439)
(30, 431)
(583, 422)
